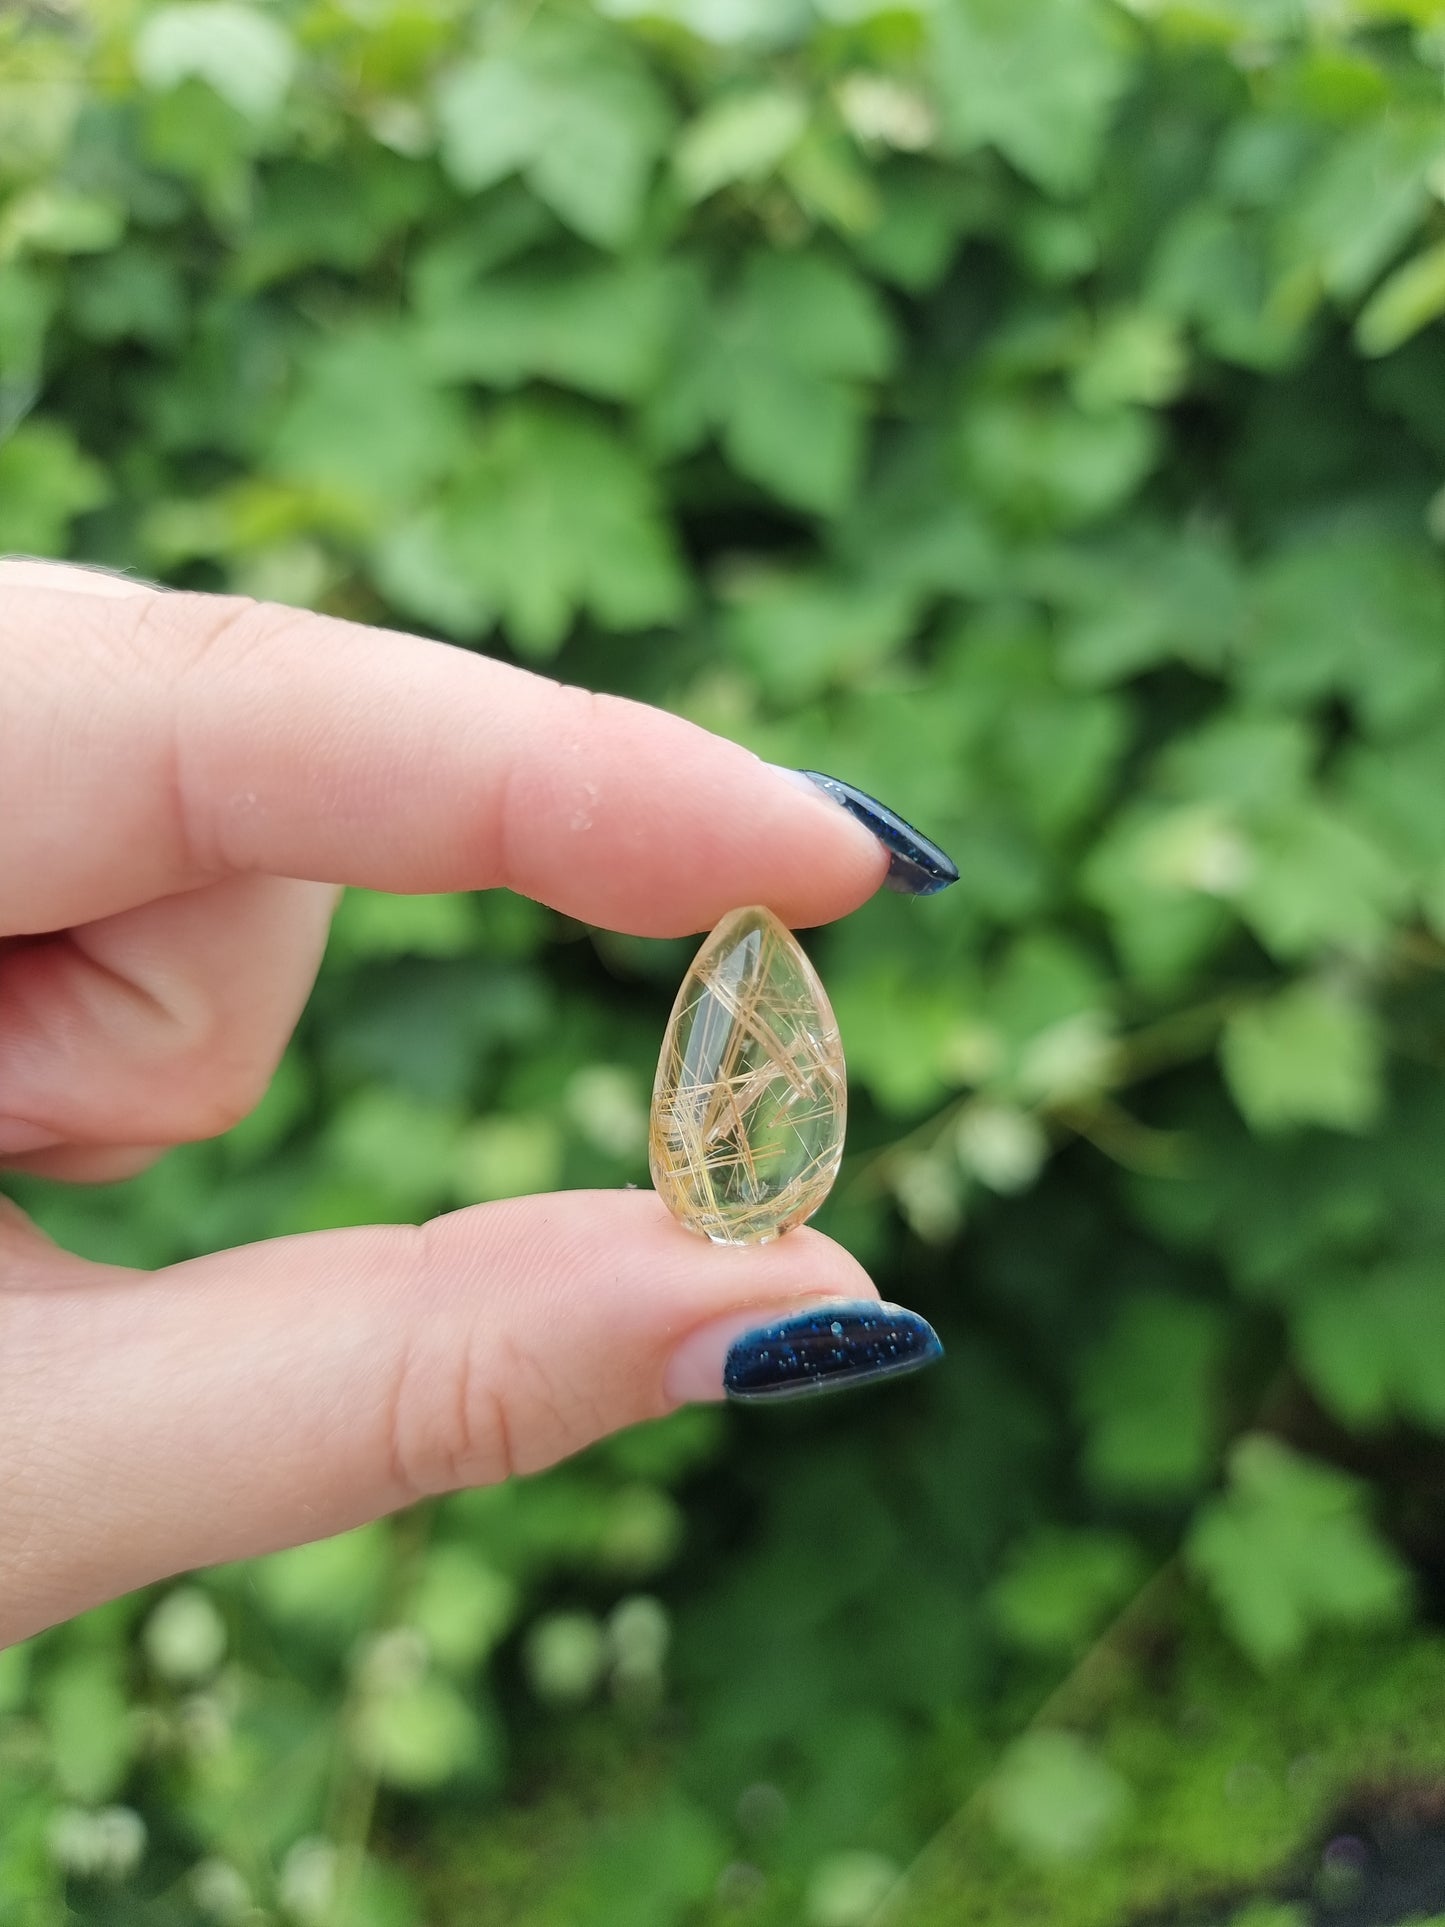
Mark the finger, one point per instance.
(152, 742)
(23, 1243)
(88, 578)
(86, 1164)
(159, 1024)
(286, 1391)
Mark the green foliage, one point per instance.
(1307, 1056)
(1370, 1344)
(1053, 1799)
(1061, 1588)
(1289, 1547)
(1146, 1397)
(1233, 1780)
(1031, 410)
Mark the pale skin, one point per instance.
(185, 781)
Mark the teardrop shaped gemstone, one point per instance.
(751, 1096)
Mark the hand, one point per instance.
(184, 782)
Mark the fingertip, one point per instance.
(644, 822)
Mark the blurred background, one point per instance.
(1034, 412)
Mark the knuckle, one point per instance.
(194, 627)
(471, 1413)
(445, 1418)
(206, 639)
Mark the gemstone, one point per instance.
(751, 1096)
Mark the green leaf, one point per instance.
(1354, 209)
(1315, 882)
(310, 214)
(1060, 1587)
(329, 1587)
(1288, 1548)
(1247, 763)
(185, 1636)
(799, 633)
(922, 216)
(1163, 878)
(462, 1606)
(368, 419)
(803, 438)
(776, 364)
(1357, 615)
(815, 314)
(602, 330)
(14, 1677)
(1161, 597)
(38, 114)
(566, 1654)
(371, 923)
(1147, 1398)
(401, 1150)
(738, 137)
(849, 1888)
(552, 515)
(55, 218)
(898, 1027)
(422, 1733)
(507, 1157)
(193, 135)
(1373, 1345)
(1413, 297)
(133, 294)
(28, 299)
(1306, 1056)
(647, 1870)
(1136, 356)
(243, 53)
(45, 481)
(570, 107)
(1044, 463)
(1396, 795)
(90, 1731)
(1038, 81)
(1053, 1798)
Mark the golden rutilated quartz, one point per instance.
(751, 1096)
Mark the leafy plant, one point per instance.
(1028, 409)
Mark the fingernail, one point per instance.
(17, 1138)
(823, 1349)
(916, 866)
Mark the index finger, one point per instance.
(151, 741)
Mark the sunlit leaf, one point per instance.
(243, 52)
(1289, 1548)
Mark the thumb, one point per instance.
(250, 1400)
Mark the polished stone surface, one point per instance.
(750, 1101)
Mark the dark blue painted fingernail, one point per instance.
(916, 867)
(827, 1350)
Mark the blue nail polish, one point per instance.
(828, 1350)
(916, 867)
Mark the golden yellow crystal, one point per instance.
(750, 1100)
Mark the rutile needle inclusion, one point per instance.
(751, 1095)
